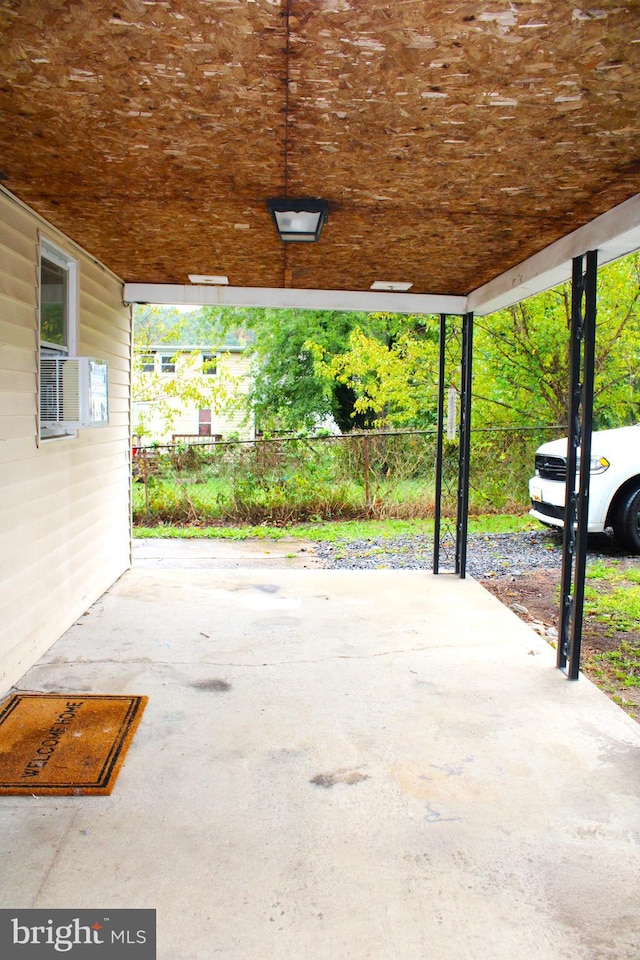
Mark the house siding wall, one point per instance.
(184, 420)
(64, 503)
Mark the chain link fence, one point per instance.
(358, 475)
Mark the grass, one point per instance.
(612, 606)
(333, 531)
(614, 597)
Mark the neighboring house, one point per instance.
(184, 391)
(64, 530)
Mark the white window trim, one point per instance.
(50, 251)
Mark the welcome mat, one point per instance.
(52, 744)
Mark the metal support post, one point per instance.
(574, 547)
(439, 446)
(465, 446)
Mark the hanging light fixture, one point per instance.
(298, 220)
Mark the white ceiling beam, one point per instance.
(613, 234)
(349, 300)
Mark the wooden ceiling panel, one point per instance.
(452, 139)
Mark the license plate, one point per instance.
(536, 494)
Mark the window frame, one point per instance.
(210, 357)
(52, 253)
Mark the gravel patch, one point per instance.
(488, 555)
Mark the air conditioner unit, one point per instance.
(73, 392)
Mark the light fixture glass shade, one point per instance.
(298, 220)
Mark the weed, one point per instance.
(621, 665)
(374, 476)
(618, 605)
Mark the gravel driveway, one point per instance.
(488, 555)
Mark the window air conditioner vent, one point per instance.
(73, 392)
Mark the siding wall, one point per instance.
(185, 418)
(64, 504)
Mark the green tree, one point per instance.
(289, 393)
(391, 368)
(380, 369)
(521, 360)
(521, 355)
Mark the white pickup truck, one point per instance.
(614, 486)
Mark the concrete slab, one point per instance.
(224, 554)
(340, 764)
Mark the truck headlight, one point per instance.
(599, 464)
(596, 464)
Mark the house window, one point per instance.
(57, 324)
(57, 301)
(204, 423)
(167, 363)
(147, 363)
(209, 363)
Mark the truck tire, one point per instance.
(627, 520)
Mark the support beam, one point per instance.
(574, 548)
(439, 445)
(222, 296)
(455, 352)
(465, 446)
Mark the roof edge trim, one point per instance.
(614, 234)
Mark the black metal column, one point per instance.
(439, 445)
(574, 547)
(465, 445)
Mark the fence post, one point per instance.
(145, 475)
(367, 497)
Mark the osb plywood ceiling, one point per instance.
(452, 138)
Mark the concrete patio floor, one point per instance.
(338, 764)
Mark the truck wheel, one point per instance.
(627, 520)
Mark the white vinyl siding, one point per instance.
(185, 420)
(64, 505)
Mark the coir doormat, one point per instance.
(52, 744)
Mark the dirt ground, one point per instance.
(538, 592)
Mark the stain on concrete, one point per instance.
(214, 684)
(328, 780)
(454, 769)
(435, 816)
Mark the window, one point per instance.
(57, 322)
(167, 363)
(148, 362)
(209, 364)
(57, 301)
